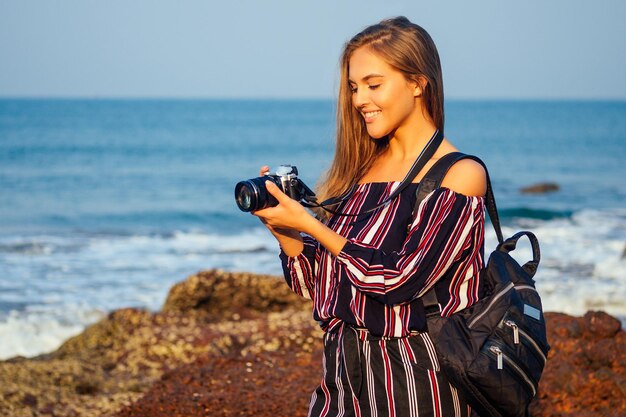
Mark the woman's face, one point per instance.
(382, 95)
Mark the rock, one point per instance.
(31, 386)
(221, 294)
(600, 354)
(586, 373)
(620, 354)
(99, 341)
(545, 187)
(29, 400)
(111, 363)
(563, 326)
(87, 387)
(584, 377)
(273, 384)
(243, 344)
(601, 324)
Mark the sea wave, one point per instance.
(60, 291)
(582, 260)
(30, 333)
(68, 280)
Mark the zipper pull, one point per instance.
(498, 353)
(513, 325)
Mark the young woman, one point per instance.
(366, 274)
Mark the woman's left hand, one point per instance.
(288, 214)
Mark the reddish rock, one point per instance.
(585, 376)
(29, 400)
(563, 326)
(586, 373)
(269, 384)
(599, 324)
(243, 345)
(600, 354)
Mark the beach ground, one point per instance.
(227, 344)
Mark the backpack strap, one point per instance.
(431, 181)
(438, 171)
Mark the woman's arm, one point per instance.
(448, 227)
(290, 215)
(286, 221)
(466, 177)
(290, 240)
(448, 224)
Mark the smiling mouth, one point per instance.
(370, 115)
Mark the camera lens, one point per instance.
(252, 195)
(246, 195)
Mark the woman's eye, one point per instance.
(374, 87)
(353, 89)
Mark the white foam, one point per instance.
(34, 332)
(78, 277)
(62, 289)
(581, 264)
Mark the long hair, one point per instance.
(406, 47)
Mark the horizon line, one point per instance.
(303, 98)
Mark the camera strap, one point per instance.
(421, 160)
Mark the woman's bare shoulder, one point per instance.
(466, 177)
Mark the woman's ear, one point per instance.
(419, 84)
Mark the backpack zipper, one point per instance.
(501, 356)
(515, 328)
(534, 345)
(525, 287)
(491, 303)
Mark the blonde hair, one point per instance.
(407, 48)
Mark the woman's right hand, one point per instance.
(290, 240)
(263, 171)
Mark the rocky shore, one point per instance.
(227, 344)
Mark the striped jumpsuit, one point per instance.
(378, 359)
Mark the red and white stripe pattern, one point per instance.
(383, 377)
(393, 256)
(298, 270)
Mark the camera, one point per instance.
(251, 195)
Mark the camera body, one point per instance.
(252, 195)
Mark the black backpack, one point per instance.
(494, 351)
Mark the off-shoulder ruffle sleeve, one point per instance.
(300, 270)
(445, 225)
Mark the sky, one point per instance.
(492, 49)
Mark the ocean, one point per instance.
(107, 203)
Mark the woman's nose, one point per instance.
(360, 97)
